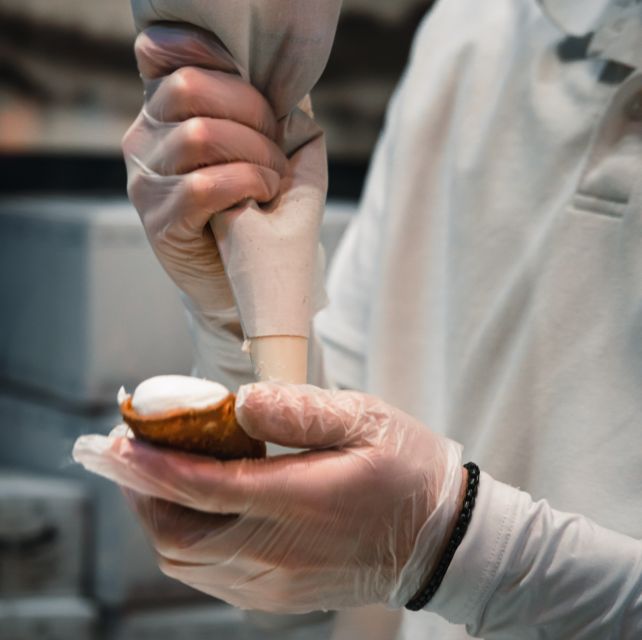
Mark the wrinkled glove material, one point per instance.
(280, 47)
(358, 518)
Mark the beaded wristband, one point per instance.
(425, 594)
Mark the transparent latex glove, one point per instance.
(203, 142)
(359, 518)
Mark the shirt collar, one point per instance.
(616, 25)
(577, 18)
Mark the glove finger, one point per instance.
(198, 196)
(215, 189)
(201, 142)
(194, 537)
(305, 416)
(261, 488)
(188, 536)
(190, 91)
(189, 254)
(191, 481)
(163, 48)
(174, 530)
(215, 581)
(263, 588)
(243, 585)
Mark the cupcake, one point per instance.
(188, 414)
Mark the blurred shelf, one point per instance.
(96, 174)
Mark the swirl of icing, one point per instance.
(165, 393)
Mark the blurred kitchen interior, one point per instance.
(85, 307)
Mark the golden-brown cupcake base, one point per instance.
(212, 431)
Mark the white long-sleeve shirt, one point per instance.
(491, 286)
(527, 571)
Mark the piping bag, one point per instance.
(271, 253)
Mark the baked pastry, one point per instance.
(188, 414)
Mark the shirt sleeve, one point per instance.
(340, 327)
(527, 571)
(343, 326)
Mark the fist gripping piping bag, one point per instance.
(271, 253)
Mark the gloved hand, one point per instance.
(360, 518)
(203, 142)
(207, 143)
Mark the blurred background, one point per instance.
(85, 307)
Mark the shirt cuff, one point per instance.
(475, 569)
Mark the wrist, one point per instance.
(442, 505)
(457, 533)
(453, 523)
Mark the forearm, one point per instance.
(525, 570)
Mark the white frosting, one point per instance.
(122, 396)
(164, 393)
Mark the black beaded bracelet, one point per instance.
(425, 594)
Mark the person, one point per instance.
(488, 288)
